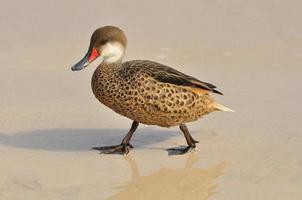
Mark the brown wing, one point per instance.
(167, 74)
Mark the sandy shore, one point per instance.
(49, 118)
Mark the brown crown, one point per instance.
(107, 34)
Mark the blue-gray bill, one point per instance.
(90, 56)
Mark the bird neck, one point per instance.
(110, 68)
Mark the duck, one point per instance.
(145, 91)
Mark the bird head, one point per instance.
(108, 43)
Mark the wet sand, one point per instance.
(49, 117)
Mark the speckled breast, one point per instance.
(141, 98)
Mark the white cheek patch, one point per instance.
(112, 52)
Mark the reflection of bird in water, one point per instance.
(185, 183)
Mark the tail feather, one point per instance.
(222, 108)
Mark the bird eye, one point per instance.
(104, 41)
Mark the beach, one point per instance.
(50, 119)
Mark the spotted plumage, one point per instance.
(145, 91)
(140, 91)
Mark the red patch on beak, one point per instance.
(94, 54)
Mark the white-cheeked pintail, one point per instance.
(145, 91)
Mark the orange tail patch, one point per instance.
(199, 91)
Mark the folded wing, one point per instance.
(167, 74)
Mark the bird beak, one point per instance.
(90, 56)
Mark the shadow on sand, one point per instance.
(82, 139)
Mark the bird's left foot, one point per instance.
(114, 149)
(180, 150)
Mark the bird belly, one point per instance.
(154, 103)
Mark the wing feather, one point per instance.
(167, 74)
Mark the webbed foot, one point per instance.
(180, 150)
(114, 149)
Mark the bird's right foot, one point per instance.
(114, 149)
(180, 150)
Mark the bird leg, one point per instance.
(122, 148)
(190, 141)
